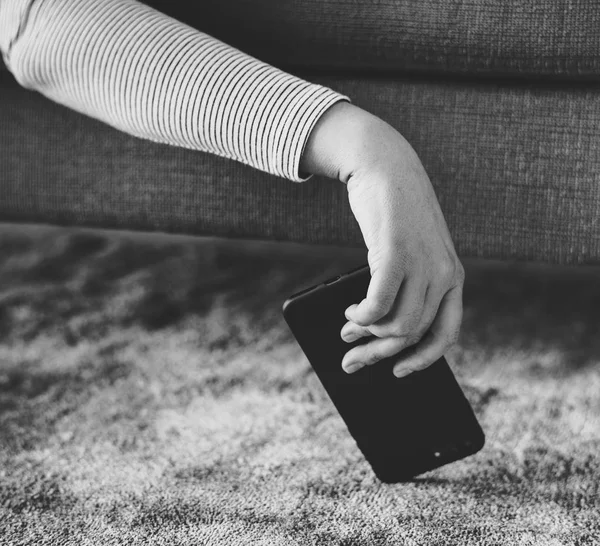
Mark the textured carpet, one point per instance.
(151, 393)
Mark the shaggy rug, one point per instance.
(151, 393)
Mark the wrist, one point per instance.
(338, 140)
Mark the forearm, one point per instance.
(154, 77)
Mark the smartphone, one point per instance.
(403, 426)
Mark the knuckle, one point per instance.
(373, 357)
(412, 340)
(451, 272)
(417, 336)
(360, 322)
(400, 329)
(388, 330)
(411, 322)
(381, 306)
(447, 269)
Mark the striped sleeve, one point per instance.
(152, 76)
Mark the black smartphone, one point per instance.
(403, 426)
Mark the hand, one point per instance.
(415, 292)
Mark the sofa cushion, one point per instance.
(515, 168)
(555, 39)
(524, 38)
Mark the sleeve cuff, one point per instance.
(13, 15)
(304, 112)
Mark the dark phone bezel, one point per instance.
(328, 282)
(424, 460)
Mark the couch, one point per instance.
(500, 99)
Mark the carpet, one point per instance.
(151, 393)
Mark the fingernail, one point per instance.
(402, 372)
(352, 367)
(349, 337)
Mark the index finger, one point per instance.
(381, 294)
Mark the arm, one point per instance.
(154, 77)
(413, 306)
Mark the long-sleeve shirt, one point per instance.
(154, 77)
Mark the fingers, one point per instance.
(381, 294)
(371, 352)
(351, 332)
(404, 317)
(442, 334)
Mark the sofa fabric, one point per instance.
(516, 169)
(555, 39)
(532, 39)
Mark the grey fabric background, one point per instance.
(532, 38)
(515, 165)
(516, 169)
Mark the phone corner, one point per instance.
(480, 441)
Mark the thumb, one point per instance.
(381, 294)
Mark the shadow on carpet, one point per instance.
(151, 393)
